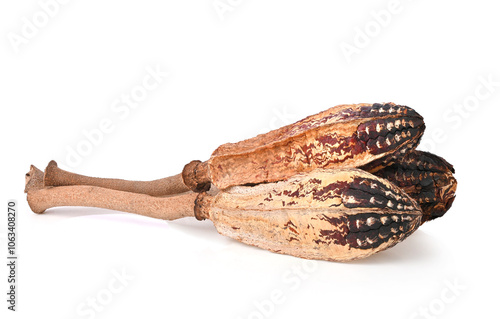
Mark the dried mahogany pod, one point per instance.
(343, 136)
(427, 178)
(337, 215)
(340, 137)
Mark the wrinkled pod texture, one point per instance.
(427, 178)
(345, 136)
(337, 215)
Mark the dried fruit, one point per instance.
(427, 178)
(338, 215)
(343, 136)
(340, 137)
(306, 189)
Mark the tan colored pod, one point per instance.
(337, 215)
(340, 137)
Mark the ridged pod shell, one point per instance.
(427, 178)
(345, 136)
(337, 215)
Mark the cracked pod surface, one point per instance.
(337, 215)
(344, 136)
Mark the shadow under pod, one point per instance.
(418, 248)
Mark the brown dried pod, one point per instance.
(427, 178)
(345, 136)
(341, 137)
(337, 215)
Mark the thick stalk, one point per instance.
(54, 176)
(41, 198)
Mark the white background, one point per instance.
(231, 75)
